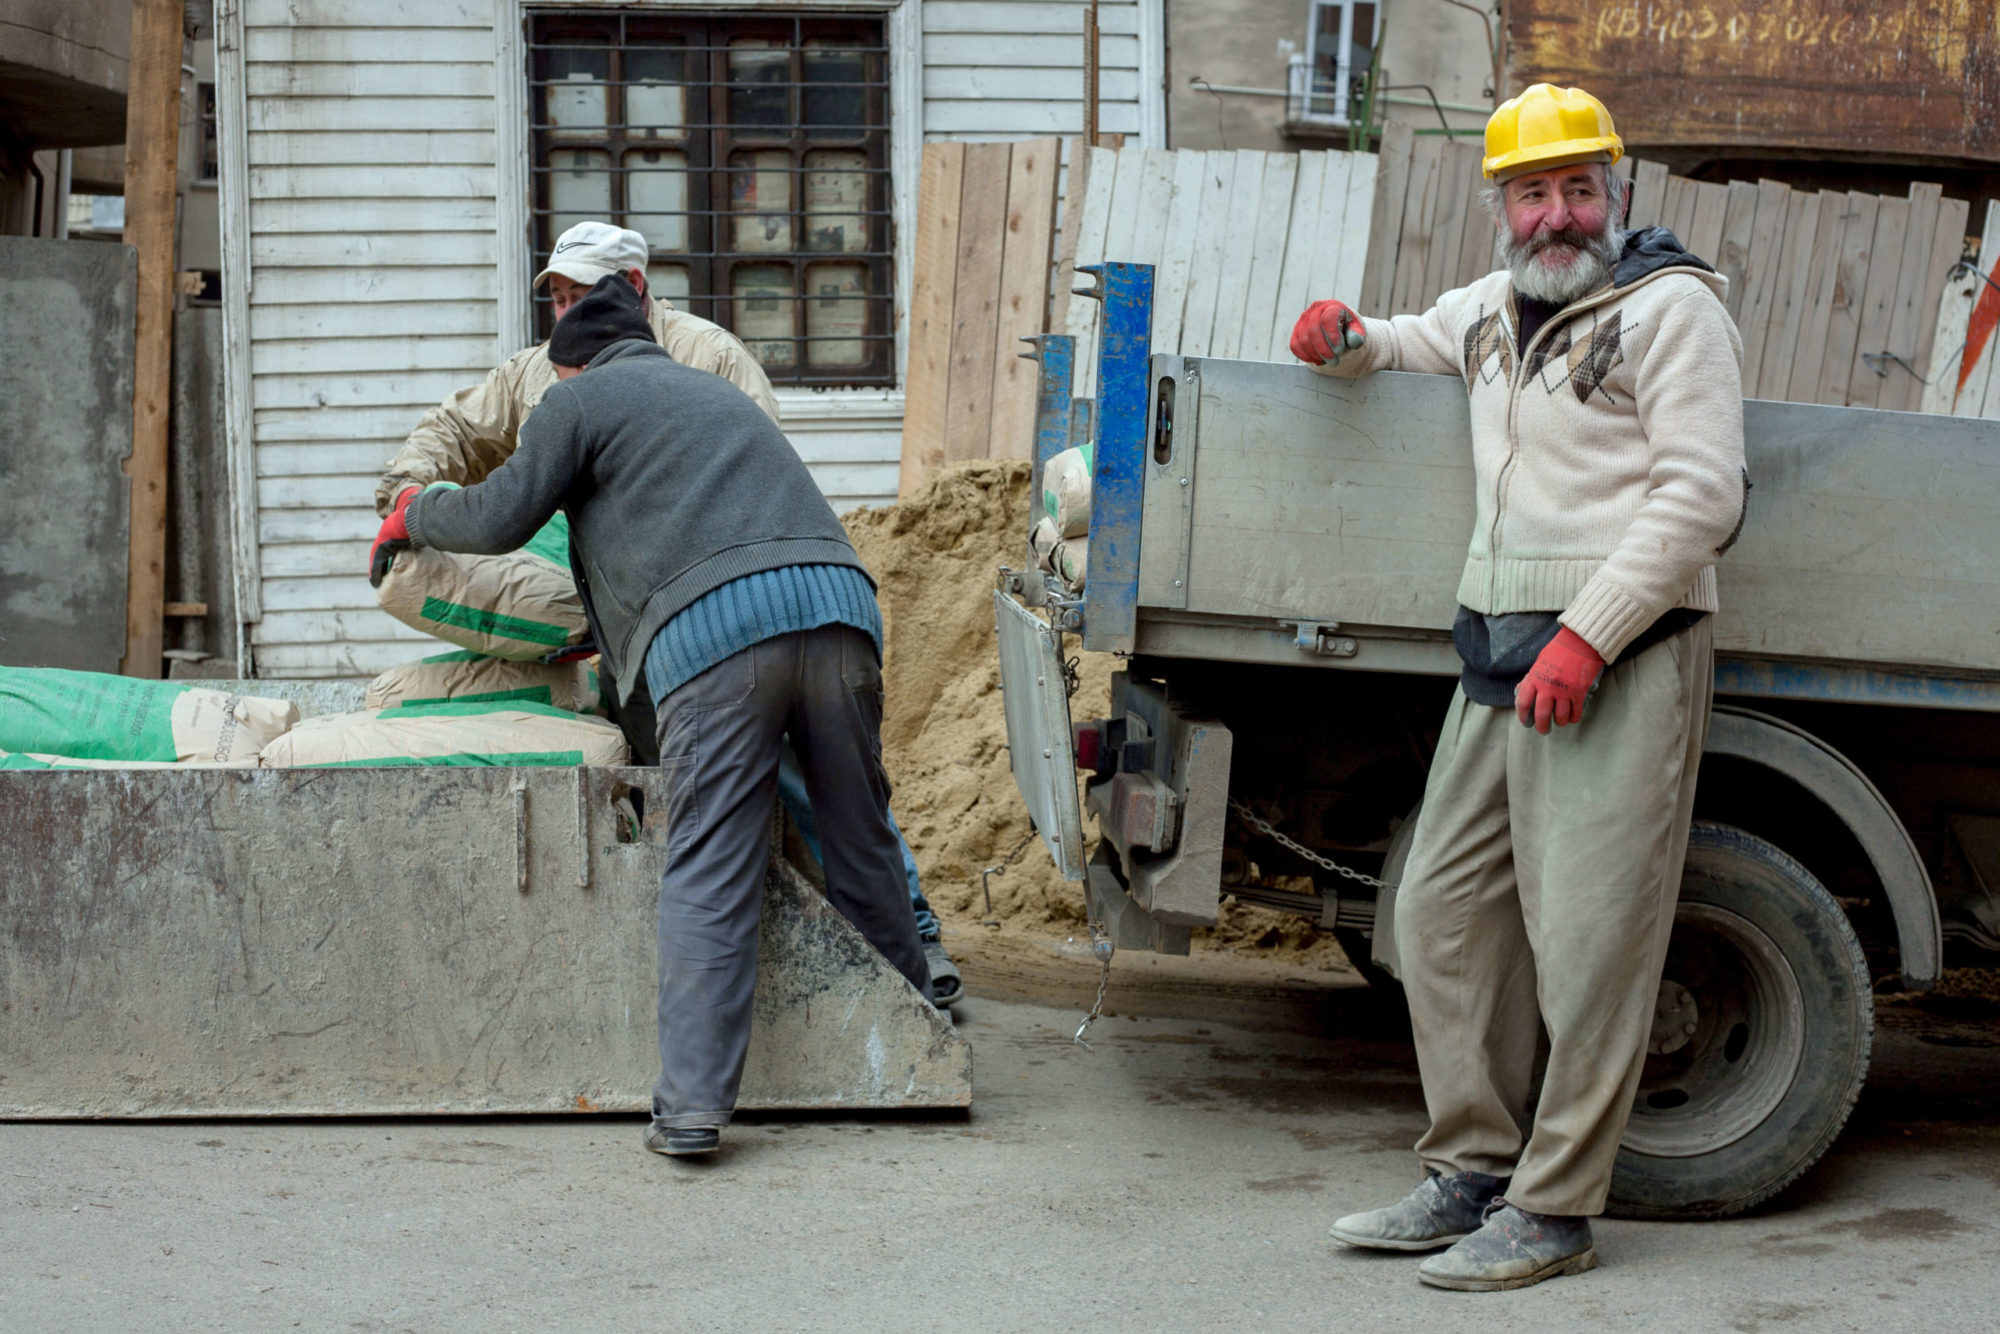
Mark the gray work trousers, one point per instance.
(1540, 892)
(720, 735)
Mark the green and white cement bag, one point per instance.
(13, 760)
(452, 735)
(1066, 490)
(94, 716)
(1063, 557)
(474, 678)
(520, 605)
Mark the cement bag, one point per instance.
(12, 760)
(474, 678)
(521, 605)
(97, 716)
(1043, 541)
(1068, 561)
(1066, 491)
(458, 735)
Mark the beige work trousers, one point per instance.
(1540, 892)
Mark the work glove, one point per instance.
(1325, 331)
(1555, 688)
(394, 538)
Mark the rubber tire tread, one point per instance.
(1789, 904)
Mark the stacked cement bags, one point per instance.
(521, 606)
(96, 717)
(450, 734)
(473, 678)
(1060, 538)
(1066, 491)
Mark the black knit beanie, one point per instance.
(610, 313)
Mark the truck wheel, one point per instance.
(1761, 1036)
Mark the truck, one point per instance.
(1274, 553)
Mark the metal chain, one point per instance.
(1101, 946)
(1264, 827)
(1001, 869)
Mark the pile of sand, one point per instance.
(934, 557)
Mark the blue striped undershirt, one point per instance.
(746, 611)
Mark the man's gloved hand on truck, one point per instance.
(1326, 331)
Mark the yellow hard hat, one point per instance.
(1547, 126)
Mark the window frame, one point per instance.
(1311, 96)
(710, 141)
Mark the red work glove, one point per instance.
(1557, 685)
(394, 537)
(1325, 331)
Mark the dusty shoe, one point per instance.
(682, 1141)
(1435, 1214)
(947, 987)
(1515, 1249)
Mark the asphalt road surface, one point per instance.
(1178, 1176)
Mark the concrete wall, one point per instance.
(66, 319)
(1250, 43)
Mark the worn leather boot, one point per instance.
(1437, 1213)
(682, 1141)
(1514, 1249)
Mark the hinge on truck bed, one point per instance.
(1326, 640)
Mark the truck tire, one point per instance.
(1761, 1036)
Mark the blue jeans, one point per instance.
(792, 791)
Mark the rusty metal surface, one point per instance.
(1906, 77)
(353, 942)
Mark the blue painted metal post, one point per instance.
(1055, 358)
(1117, 486)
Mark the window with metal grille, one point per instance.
(752, 152)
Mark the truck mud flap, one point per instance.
(1040, 746)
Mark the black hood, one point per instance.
(1650, 249)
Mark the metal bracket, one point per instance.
(1325, 639)
(1065, 613)
(519, 788)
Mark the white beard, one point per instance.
(1587, 270)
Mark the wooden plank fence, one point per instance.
(986, 216)
(1240, 242)
(1840, 297)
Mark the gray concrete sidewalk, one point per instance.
(1178, 1177)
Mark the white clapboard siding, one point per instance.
(853, 444)
(303, 148)
(373, 250)
(1014, 68)
(367, 147)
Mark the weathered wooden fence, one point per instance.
(1840, 295)
(1240, 242)
(985, 231)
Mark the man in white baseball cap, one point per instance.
(475, 431)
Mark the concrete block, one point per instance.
(398, 941)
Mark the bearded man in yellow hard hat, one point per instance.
(1607, 443)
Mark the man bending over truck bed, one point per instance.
(1607, 446)
(476, 429)
(716, 576)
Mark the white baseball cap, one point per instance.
(590, 250)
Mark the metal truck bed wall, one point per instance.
(1287, 516)
(366, 941)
